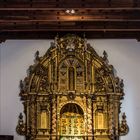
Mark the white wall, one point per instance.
(17, 55)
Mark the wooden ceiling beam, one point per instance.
(40, 18)
(52, 34)
(20, 17)
(71, 29)
(77, 19)
(70, 4)
(126, 26)
(60, 9)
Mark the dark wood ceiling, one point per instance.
(41, 19)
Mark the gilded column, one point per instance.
(54, 121)
(32, 117)
(111, 117)
(116, 116)
(89, 118)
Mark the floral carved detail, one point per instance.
(99, 85)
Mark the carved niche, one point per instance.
(71, 93)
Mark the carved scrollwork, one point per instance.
(99, 84)
(71, 96)
(24, 87)
(44, 84)
(119, 85)
(30, 70)
(40, 70)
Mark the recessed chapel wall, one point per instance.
(17, 55)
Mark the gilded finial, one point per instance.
(21, 125)
(123, 126)
(21, 85)
(37, 56)
(105, 56)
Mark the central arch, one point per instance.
(72, 125)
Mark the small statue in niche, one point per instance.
(100, 105)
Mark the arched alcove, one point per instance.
(72, 124)
(73, 108)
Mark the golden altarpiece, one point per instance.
(71, 93)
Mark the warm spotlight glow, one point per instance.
(67, 11)
(70, 11)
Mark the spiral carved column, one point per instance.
(89, 118)
(111, 118)
(54, 121)
(32, 118)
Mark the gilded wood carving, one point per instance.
(71, 93)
